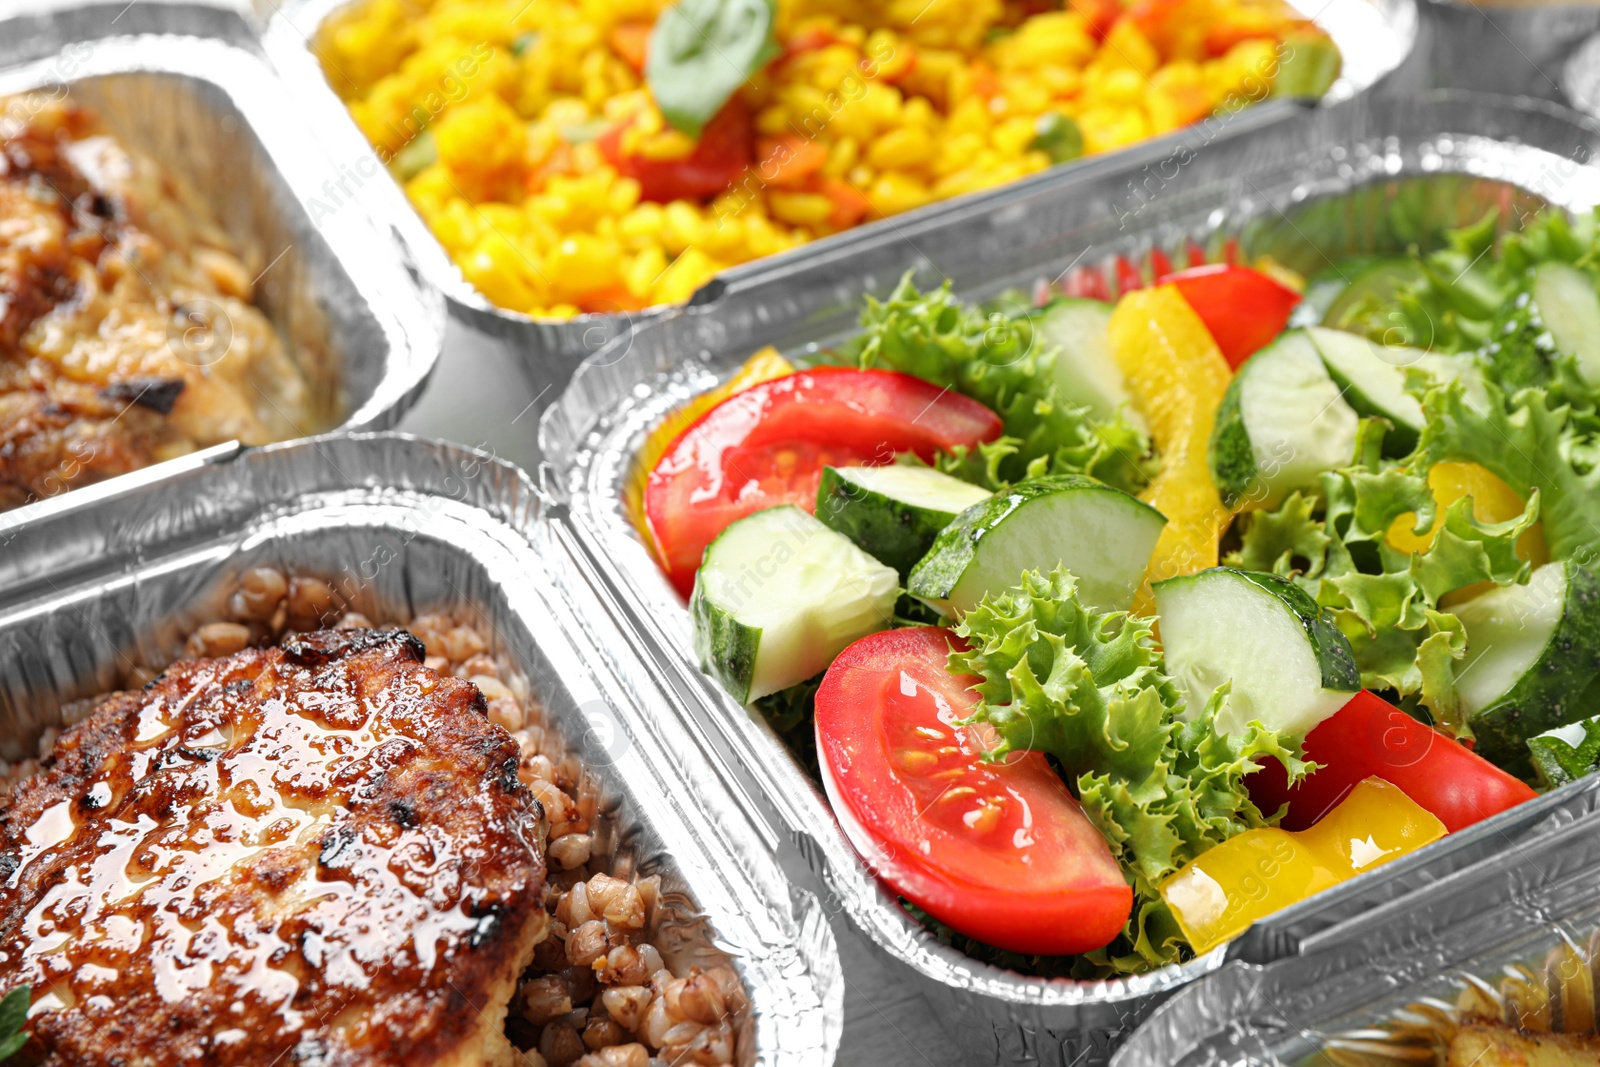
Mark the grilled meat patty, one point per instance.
(315, 854)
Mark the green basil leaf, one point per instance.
(14, 1010)
(701, 51)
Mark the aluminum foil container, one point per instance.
(1305, 192)
(402, 526)
(1375, 37)
(1543, 896)
(1506, 47)
(189, 86)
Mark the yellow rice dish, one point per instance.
(528, 137)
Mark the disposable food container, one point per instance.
(1374, 37)
(189, 86)
(1367, 176)
(398, 527)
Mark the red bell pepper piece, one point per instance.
(1243, 308)
(725, 148)
(1371, 737)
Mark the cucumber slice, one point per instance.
(1366, 306)
(1446, 368)
(1281, 424)
(1102, 535)
(1289, 665)
(1087, 373)
(894, 513)
(1371, 380)
(778, 596)
(1532, 650)
(1566, 753)
(1570, 309)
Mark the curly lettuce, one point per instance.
(1091, 691)
(1473, 296)
(1388, 601)
(1533, 447)
(998, 360)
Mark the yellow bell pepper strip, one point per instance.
(1177, 377)
(1219, 894)
(1492, 501)
(765, 365)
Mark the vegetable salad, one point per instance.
(575, 156)
(1117, 619)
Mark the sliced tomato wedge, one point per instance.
(725, 148)
(767, 446)
(1086, 282)
(1371, 737)
(1243, 308)
(1128, 276)
(1001, 852)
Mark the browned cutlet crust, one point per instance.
(315, 854)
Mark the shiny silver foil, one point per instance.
(188, 85)
(1513, 48)
(1355, 976)
(401, 526)
(1365, 176)
(1375, 37)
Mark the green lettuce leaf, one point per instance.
(1387, 602)
(1532, 447)
(1091, 690)
(998, 360)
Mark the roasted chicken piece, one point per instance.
(127, 335)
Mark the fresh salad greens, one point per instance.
(1014, 576)
(1092, 691)
(13, 1017)
(1386, 599)
(1006, 363)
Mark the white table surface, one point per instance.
(479, 397)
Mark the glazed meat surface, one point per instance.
(127, 332)
(314, 854)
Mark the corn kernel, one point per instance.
(481, 141)
(682, 228)
(687, 273)
(905, 148)
(1127, 46)
(911, 99)
(504, 273)
(642, 270)
(893, 193)
(800, 209)
(1013, 136)
(841, 157)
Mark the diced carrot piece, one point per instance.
(631, 41)
(788, 161)
(850, 205)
